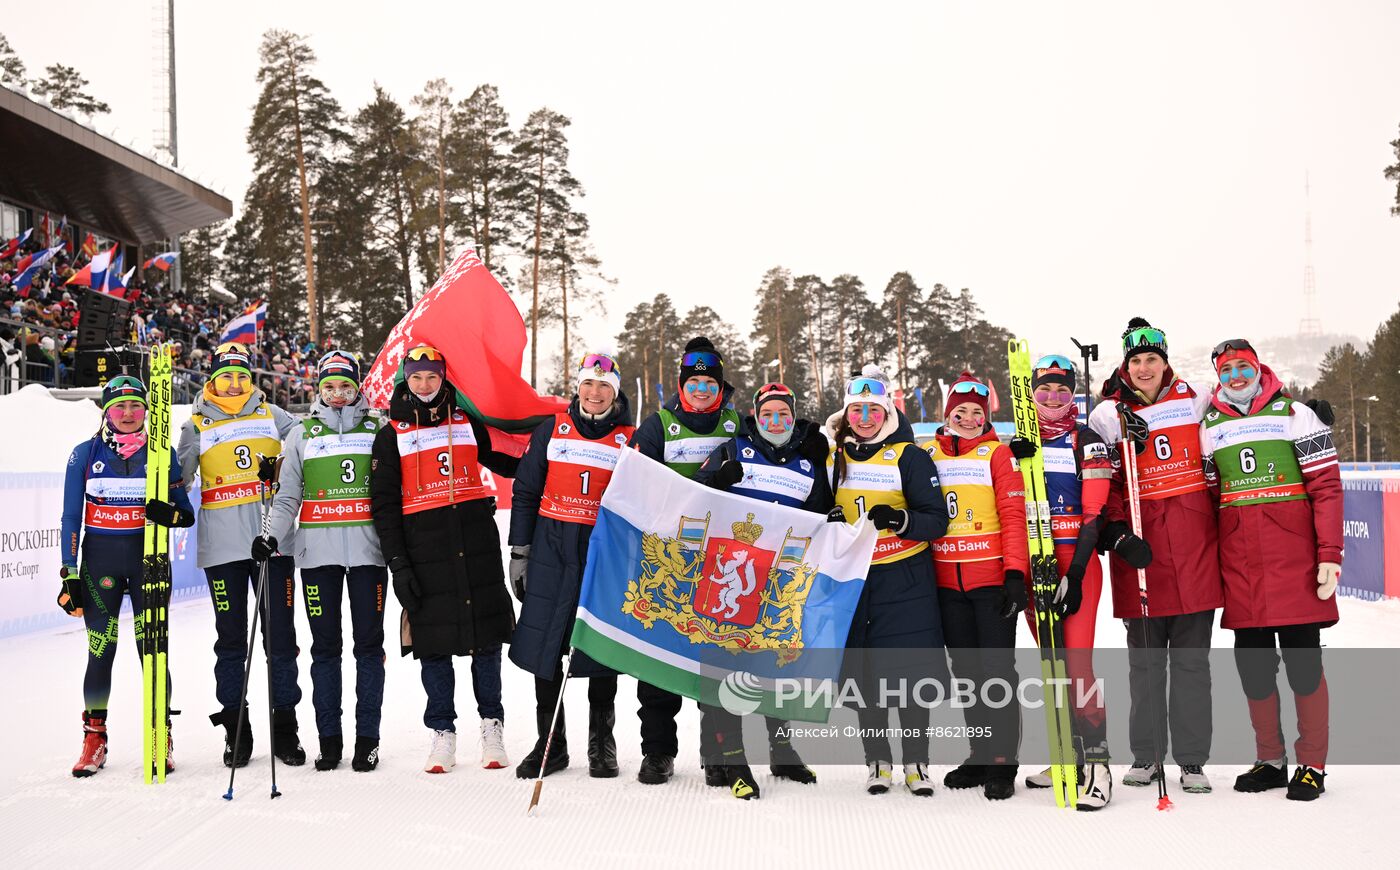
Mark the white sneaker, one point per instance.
(443, 756)
(916, 778)
(879, 778)
(1040, 780)
(1097, 788)
(493, 744)
(1141, 773)
(1194, 780)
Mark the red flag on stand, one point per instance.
(470, 318)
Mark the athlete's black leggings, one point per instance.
(111, 568)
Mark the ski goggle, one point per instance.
(331, 354)
(231, 347)
(1229, 344)
(867, 387)
(601, 363)
(1144, 336)
(1053, 361)
(965, 387)
(701, 360)
(424, 352)
(773, 391)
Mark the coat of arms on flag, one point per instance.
(683, 580)
(729, 591)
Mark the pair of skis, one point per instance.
(155, 574)
(1045, 580)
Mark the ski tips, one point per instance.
(1165, 805)
(535, 797)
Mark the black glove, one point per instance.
(836, 515)
(1013, 593)
(814, 446)
(1023, 448)
(70, 597)
(263, 548)
(730, 472)
(1070, 593)
(887, 518)
(406, 586)
(519, 561)
(1130, 547)
(1135, 427)
(163, 513)
(1323, 409)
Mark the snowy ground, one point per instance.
(475, 816)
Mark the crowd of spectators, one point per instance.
(39, 326)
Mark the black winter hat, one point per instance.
(701, 358)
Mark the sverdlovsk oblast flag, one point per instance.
(718, 597)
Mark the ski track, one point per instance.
(478, 817)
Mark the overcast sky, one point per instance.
(1073, 164)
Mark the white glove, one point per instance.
(1328, 573)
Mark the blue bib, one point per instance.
(784, 483)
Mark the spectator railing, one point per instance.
(16, 369)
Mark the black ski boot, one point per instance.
(1001, 782)
(602, 748)
(1263, 776)
(331, 749)
(785, 763)
(229, 718)
(656, 769)
(715, 776)
(529, 766)
(366, 754)
(966, 775)
(1307, 784)
(285, 744)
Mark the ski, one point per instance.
(155, 574)
(1045, 579)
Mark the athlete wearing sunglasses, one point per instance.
(682, 435)
(1273, 463)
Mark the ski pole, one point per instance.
(1129, 451)
(1087, 352)
(267, 483)
(549, 738)
(243, 693)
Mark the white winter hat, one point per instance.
(599, 366)
(871, 385)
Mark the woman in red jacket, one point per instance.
(981, 566)
(1162, 414)
(1274, 466)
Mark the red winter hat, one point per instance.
(966, 389)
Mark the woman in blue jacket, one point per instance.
(104, 517)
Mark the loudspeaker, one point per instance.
(102, 318)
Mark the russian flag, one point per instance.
(162, 262)
(34, 264)
(12, 246)
(244, 328)
(94, 274)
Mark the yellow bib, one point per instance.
(228, 456)
(974, 526)
(876, 481)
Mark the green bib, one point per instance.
(335, 474)
(1254, 456)
(685, 450)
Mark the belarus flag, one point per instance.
(732, 601)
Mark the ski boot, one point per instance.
(332, 748)
(366, 754)
(229, 718)
(1307, 784)
(94, 754)
(1263, 776)
(285, 744)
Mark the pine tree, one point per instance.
(649, 348)
(295, 135)
(386, 149)
(902, 307)
(1392, 173)
(1341, 381)
(545, 189)
(484, 169)
(434, 128)
(63, 87)
(201, 257)
(779, 324)
(704, 320)
(11, 67)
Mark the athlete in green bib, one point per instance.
(1274, 465)
(322, 516)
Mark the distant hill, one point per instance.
(1291, 357)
